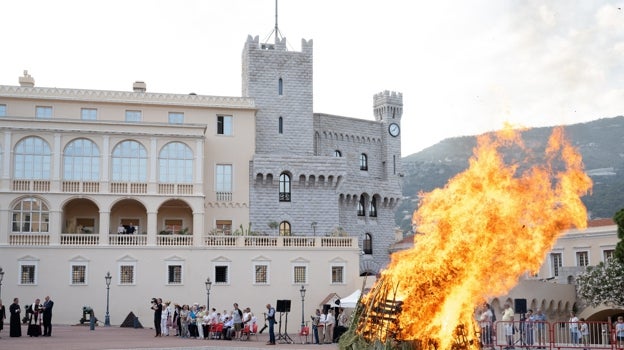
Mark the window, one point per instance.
(367, 244)
(607, 255)
(88, 114)
(173, 226)
(221, 274)
(261, 274)
(224, 227)
(133, 116)
(32, 159)
(363, 162)
(360, 207)
(43, 112)
(284, 228)
(284, 187)
(28, 273)
(224, 125)
(556, 263)
(175, 163)
(300, 274)
(129, 162)
(281, 125)
(176, 118)
(372, 207)
(337, 274)
(174, 274)
(2, 110)
(223, 181)
(582, 258)
(78, 275)
(30, 215)
(81, 161)
(337, 154)
(280, 87)
(126, 274)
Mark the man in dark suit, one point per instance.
(47, 316)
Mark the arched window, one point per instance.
(129, 162)
(372, 207)
(284, 187)
(175, 163)
(284, 228)
(81, 161)
(280, 86)
(280, 126)
(32, 159)
(30, 215)
(360, 208)
(363, 161)
(337, 153)
(367, 244)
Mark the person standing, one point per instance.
(2, 315)
(316, 318)
(34, 319)
(15, 328)
(574, 329)
(619, 331)
(540, 321)
(271, 319)
(237, 318)
(48, 304)
(157, 307)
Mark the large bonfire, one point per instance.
(488, 226)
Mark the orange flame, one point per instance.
(488, 226)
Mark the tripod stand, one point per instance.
(283, 338)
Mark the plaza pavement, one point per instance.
(117, 338)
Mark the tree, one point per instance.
(619, 248)
(604, 283)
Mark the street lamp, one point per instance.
(302, 291)
(208, 285)
(1, 277)
(108, 279)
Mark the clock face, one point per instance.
(394, 129)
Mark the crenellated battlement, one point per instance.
(388, 98)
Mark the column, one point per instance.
(54, 227)
(105, 166)
(104, 227)
(198, 229)
(152, 230)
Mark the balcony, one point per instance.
(187, 240)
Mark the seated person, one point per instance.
(228, 328)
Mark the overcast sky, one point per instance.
(464, 67)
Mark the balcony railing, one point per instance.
(29, 239)
(80, 239)
(124, 239)
(220, 241)
(174, 240)
(31, 185)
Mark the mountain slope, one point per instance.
(600, 142)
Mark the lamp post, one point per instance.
(108, 279)
(1, 277)
(208, 285)
(302, 291)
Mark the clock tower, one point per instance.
(388, 109)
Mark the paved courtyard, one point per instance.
(115, 337)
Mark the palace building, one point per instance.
(256, 193)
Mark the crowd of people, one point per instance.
(196, 322)
(38, 316)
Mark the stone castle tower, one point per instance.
(319, 174)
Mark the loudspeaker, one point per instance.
(520, 306)
(283, 306)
